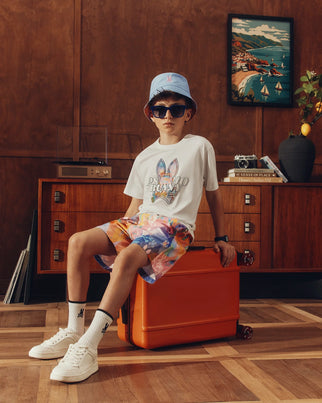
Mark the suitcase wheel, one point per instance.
(244, 332)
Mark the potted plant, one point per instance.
(297, 153)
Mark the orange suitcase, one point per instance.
(196, 300)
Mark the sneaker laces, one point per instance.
(74, 354)
(60, 335)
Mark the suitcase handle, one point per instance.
(245, 258)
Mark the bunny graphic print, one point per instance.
(166, 184)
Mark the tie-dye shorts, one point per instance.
(163, 239)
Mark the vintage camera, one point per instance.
(245, 161)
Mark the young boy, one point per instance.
(166, 184)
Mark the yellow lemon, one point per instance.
(305, 129)
(318, 107)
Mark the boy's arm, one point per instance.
(133, 207)
(216, 207)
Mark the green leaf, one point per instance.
(304, 78)
(308, 88)
(298, 91)
(309, 75)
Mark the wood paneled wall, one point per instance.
(90, 62)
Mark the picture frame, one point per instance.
(260, 60)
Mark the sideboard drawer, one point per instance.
(237, 199)
(61, 225)
(96, 197)
(240, 227)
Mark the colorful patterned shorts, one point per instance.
(164, 240)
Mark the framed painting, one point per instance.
(260, 60)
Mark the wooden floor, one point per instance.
(282, 363)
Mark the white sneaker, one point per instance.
(79, 363)
(56, 346)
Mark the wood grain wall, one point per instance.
(90, 62)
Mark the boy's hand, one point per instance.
(227, 250)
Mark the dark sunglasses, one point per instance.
(159, 111)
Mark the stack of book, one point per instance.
(252, 175)
(268, 173)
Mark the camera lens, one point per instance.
(243, 164)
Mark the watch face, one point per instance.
(221, 238)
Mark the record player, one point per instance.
(82, 169)
(82, 153)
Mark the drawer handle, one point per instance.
(249, 199)
(59, 226)
(58, 255)
(59, 197)
(249, 227)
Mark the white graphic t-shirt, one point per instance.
(170, 178)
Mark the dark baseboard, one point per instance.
(281, 285)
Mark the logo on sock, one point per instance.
(81, 313)
(105, 328)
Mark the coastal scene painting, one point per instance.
(260, 58)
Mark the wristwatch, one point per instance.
(221, 238)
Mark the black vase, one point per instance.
(296, 155)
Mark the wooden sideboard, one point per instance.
(280, 223)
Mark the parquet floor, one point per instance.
(282, 363)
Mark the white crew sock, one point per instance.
(76, 316)
(97, 329)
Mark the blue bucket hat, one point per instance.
(169, 82)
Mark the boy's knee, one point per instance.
(131, 258)
(73, 240)
(123, 258)
(77, 241)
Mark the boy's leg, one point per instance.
(122, 277)
(81, 248)
(81, 359)
(125, 269)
